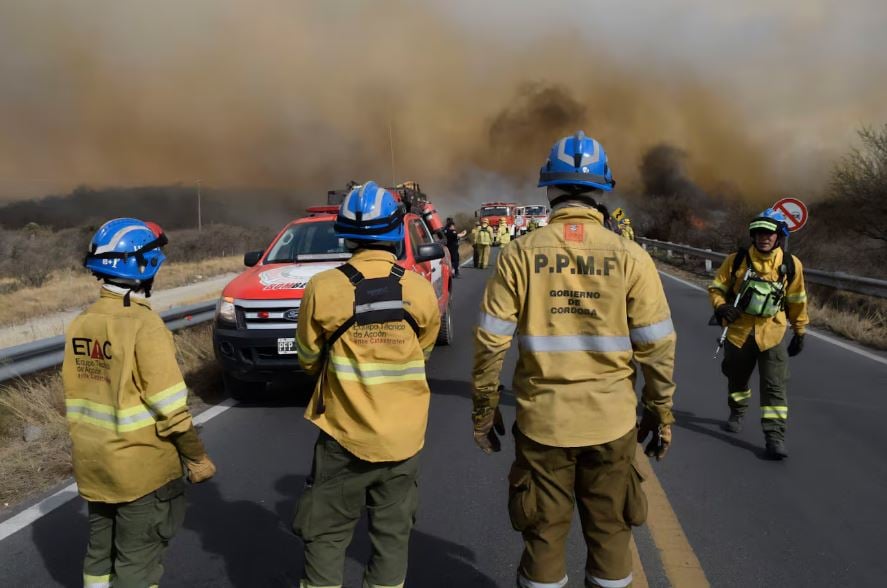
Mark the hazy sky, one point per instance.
(762, 95)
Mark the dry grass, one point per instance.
(69, 290)
(859, 318)
(27, 468)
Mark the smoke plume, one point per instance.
(303, 96)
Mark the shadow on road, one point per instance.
(256, 546)
(713, 428)
(61, 539)
(433, 563)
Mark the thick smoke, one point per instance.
(303, 96)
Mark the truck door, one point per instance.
(430, 270)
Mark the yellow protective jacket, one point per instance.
(585, 303)
(627, 231)
(768, 331)
(503, 235)
(373, 384)
(124, 398)
(484, 235)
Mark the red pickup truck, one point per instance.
(255, 325)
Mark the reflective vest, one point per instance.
(484, 235)
(124, 399)
(371, 394)
(503, 234)
(585, 304)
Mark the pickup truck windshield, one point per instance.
(495, 211)
(315, 241)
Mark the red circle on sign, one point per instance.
(795, 212)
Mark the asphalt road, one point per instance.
(815, 519)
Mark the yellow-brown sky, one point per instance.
(762, 95)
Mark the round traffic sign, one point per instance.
(795, 212)
(519, 221)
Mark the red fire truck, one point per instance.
(495, 211)
(524, 215)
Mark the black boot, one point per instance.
(776, 449)
(734, 423)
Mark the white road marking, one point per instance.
(69, 492)
(836, 342)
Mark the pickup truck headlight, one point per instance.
(225, 311)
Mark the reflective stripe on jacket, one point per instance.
(768, 331)
(585, 303)
(374, 389)
(124, 398)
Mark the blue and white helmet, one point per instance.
(126, 249)
(370, 213)
(577, 161)
(771, 221)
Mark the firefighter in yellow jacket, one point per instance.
(126, 406)
(484, 243)
(365, 330)
(503, 236)
(585, 304)
(756, 293)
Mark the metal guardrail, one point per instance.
(28, 358)
(837, 280)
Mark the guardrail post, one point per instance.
(669, 253)
(708, 264)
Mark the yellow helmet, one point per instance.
(626, 221)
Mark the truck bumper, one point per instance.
(251, 355)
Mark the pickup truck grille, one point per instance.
(267, 314)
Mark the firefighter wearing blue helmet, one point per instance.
(365, 331)
(127, 411)
(586, 305)
(756, 293)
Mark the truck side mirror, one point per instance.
(429, 252)
(252, 258)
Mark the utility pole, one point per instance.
(199, 215)
(391, 146)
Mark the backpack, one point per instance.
(376, 301)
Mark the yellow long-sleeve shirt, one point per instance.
(768, 331)
(585, 303)
(373, 384)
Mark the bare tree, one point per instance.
(859, 181)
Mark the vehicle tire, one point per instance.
(242, 390)
(445, 335)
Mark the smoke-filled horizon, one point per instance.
(306, 95)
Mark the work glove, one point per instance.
(200, 470)
(796, 345)
(485, 429)
(727, 312)
(661, 440)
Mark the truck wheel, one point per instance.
(445, 335)
(242, 390)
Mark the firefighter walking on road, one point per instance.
(126, 407)
(757, 292)
(365, 330)
(452, 236)
(586, 305)
(623, 223)
(503, 237)
(484, 243)
(475, 246)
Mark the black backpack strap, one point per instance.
(787, 269)
(399, 272)
(740, 256)
(351, 273)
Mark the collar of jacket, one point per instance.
(576, 215)
(372, 255)
(773, 256)
(111, 291)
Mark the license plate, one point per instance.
(286, 346)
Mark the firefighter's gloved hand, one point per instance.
(661, 435)
(796, 345)
(485, 429)
(200, 470)
(728, 313)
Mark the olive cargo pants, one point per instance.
(602, 481)
(339, 487)
(127, 541)
(738, 365)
